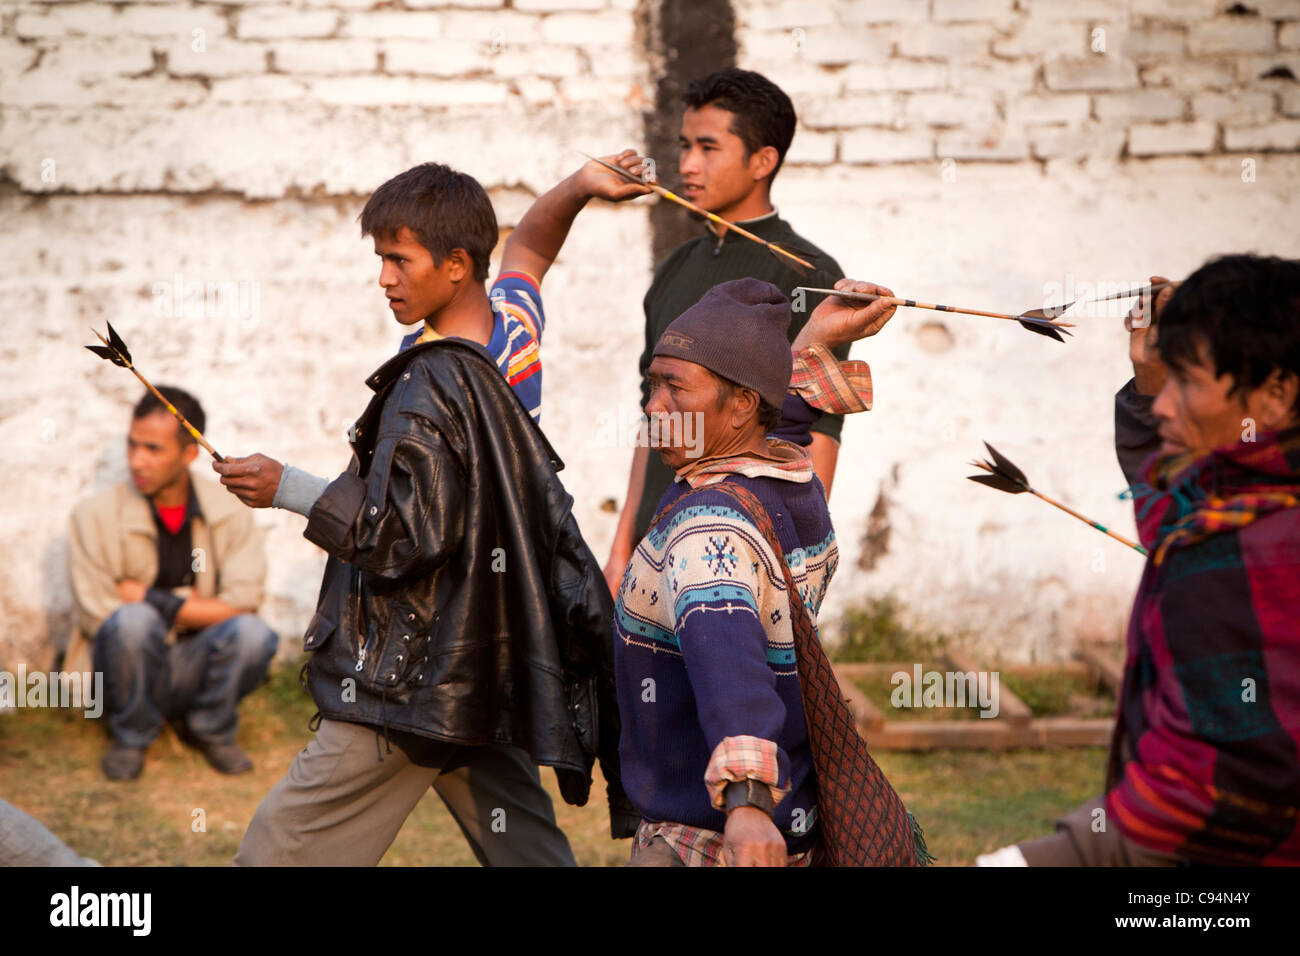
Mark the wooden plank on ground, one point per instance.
(1010, 707)
(1103, 663)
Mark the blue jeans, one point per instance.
(199, 679)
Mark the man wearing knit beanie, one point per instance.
(715, 752)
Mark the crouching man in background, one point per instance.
(167, 570)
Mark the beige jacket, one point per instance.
(112, 537)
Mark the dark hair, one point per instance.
(445, 209)
(1245, 310)
(764, 115)
(769, 416)
(185, 403)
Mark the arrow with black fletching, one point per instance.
(1004, 476)
(114, 350)
(1035, 321)
(792, 257)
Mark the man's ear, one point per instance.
(1278, 394)
(763, 162)
(460, 265)
(190, 453)
(744, 408)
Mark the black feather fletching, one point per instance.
(1003, 475)
(998, 482)
(799, 268)
(116, 342)
(1043, 328)
(104, 352)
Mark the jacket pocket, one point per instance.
(318, 632)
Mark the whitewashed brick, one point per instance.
(812, 149)
(338, 4)
(535, 92)
(387, 90)
(884, 146)
(1142, 105)
(1174, 9)
(1048, 108)
(325, 57)
(1290, 102)
(801, 78)
(853, 109)
(99, 56)
(1159, 139)
(42, 87)
(1191, 75)
(69, 18)
(1288, 37)
(1274, 9)
(1077, 9)
(267, 88)
(769, 46)
(838, 45)
(966, 144)
(971, 9)
(221, 57)
(884, 11)
(993, 75)
(583, 89)
(1234, 109)
(1282, 135)
(15, 57)
(547, 6)
(277, 22)
(1231, 35)
(948, 109)
(168, 21)
(1091, 141)
(950, 40)
(440, 59)
(1148, 40)
(506, 28)
(548, 62)
(1091, 73)
(786, 15)
(896, 75)
(1044, 38)
(589, 29)
(1252, 69)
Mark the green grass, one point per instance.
(879, 689)
(1058, 693)
(968, 802)
(874, 632)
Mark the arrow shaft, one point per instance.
(198, 436)
(1086, 520)
(712, 217)
(912, 303)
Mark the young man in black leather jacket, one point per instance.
(461, 634)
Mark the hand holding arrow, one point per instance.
(1004, 476)
(114, 350)
(791, 257)
(1035, 321)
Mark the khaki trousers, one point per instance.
(1077, 843)
(346, 796)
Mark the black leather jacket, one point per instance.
(459, 600)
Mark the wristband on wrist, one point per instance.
(748, 793)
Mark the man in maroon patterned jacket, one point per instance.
(1205, 764)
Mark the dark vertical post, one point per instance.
(686, 39)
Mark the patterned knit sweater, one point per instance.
(704, 648)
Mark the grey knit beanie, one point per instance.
(737, 330)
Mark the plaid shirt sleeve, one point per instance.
(828, 384)
(742, 758)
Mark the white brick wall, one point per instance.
(941, 145)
